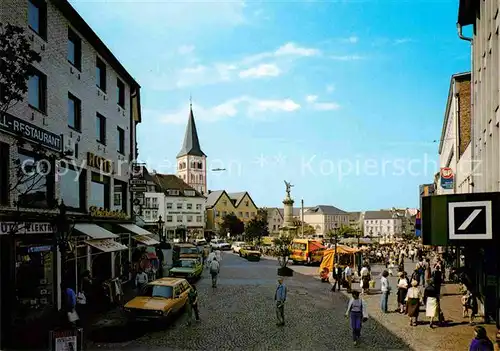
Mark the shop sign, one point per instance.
(99, 162)
(16, 126)
(99, 212)
(106, 245)
(447, 178)
(138, 189)
(26, 228)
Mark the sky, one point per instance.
(344, 99)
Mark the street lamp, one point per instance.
(335, 233)
(160, 224)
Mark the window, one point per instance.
(189, 218)
(121, 140)
(100, 74)
(120, 90)
(189, 206)
(99, 191)
(4, 173)
(179, 218)
(37, 17)
(37, 90)
(189, 192)
(154, 215)
(36, 186)
(240, 214)
(74, 49)
(74, 112)
(198, 206)
(72, 186)
(120, 196)
(199, 219)
(179, 206)
(147, 214)
(170, 219)
(100, 124)
(169, 205)
(173, 192)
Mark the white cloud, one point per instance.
(311, 98)
(402, 41)
(291, 49)
(249, 106)
(347, 58)
(351, 39)
(326, 106)
(262, 70)
(330, 88)
(185, 49)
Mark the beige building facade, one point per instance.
(274, 220)
(324, 218)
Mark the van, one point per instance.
(307, 251)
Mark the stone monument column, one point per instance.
(288, 212)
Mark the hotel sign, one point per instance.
(17, 126)
(103, 213)
(26, 228)
(99, 162)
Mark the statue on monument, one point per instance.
(288, 188)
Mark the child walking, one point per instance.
(357, 311)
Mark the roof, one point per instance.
(167, 281)
(326, 210)
(171, 181)
(355, 216)
(467, 12)
(213, 197)
(237, 197)
(88, 33)
(272, 210)
(378, 215)
(191, 145)
(455, 77)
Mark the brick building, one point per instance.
(79, 116)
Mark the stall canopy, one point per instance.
(329, 256)
(141, 234)
(94, 231)
(106, 245)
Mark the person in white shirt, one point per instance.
(141, 278)
(210, 258)
(348, 277)
(218, 254)
(386, 289)
(365, 279)
(403, 285)
(214, 271)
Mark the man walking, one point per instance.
(348, 277)
(280, 298)
(214, 271)
(337, 277)
(193, 305)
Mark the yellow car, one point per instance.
(189, 268)
(158, 300)
(251, 253)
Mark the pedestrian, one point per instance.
(218, 254)
(337, 277)
(141, 279)
(431, 300)
(348, 277)
(481, 342)
(210, 258)
(357, 311)
(69, 305)
(192, 305)
(214, 271)
(403, 285)
(421, 271)
(386, 290)
(365, 279)
(413, 301)
(280, 298)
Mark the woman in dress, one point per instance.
(356, 310)
(413, 300)
(403, 285)
(431, 302)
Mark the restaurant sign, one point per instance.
(17, 126)
(100, 212)
(20, 228)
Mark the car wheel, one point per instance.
(240, 254)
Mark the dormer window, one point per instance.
(173, 192)
(189, 192)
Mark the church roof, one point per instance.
(191, 145)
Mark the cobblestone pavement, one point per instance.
(239, 315)
(456, 336)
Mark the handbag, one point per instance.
(81, 299)
(73, 316)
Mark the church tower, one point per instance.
(191, 161)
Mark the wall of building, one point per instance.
(464, 170)
(193, 175)
(383, 228)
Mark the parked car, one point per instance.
(188, 268)
(237, 246)
(186, 250)
(220, 244)
(158, 300)
(249, 252)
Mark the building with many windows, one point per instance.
(219, 203)
(77, 123)
(324, 218)
(383, 225)
(274, 220)
(181, 207)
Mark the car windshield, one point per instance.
(299, 246)
(189, 250)
(186, 263)
(250, 248)
(158, 291)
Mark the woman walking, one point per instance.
(403, 285)
(357, 312)
(431, 302)
(413, 300)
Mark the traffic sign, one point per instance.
(137, 181)
(470, 220)
(138, 189)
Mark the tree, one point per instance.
(308, 229)
(257, 227)
(282, 248)
(16, 59)
(232, 225)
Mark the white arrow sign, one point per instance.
(469, 219)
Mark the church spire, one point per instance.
(191, 145)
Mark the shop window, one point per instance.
(120, 196)
(99, 191)
(4, 173)
(35, 180)
(72, 183)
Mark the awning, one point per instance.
(135, 229)
(146, 240)
(94, 231)
(106, 245)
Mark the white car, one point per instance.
(219, 244)
(237, 246)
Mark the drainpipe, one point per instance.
(456, 126)
(473, 134)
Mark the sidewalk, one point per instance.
(456, 335)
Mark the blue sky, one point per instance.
(341, 98)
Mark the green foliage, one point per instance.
(257, 227)
(282, 248)
(231, 224)
(16, 59)
(308, 229)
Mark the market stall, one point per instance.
(346, 256)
